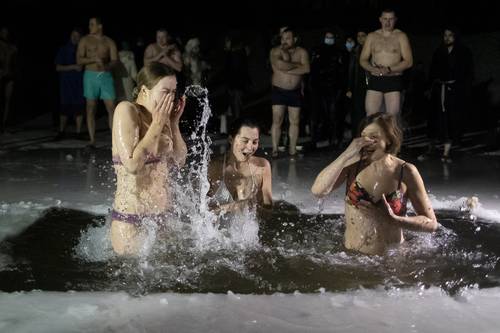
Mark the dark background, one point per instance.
(38, 29)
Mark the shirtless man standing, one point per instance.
(385, 55)
(97, 53)
(289, 62)
(164, 52)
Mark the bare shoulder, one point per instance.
(275, 50)
(400, 34)
(151, 47)
(84, 39)
(410, 172)
(302, 50)
(108, 40)
(126, 109)
(260, 162)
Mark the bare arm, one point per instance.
(335, 174)
(425, 220)
(365, 56)
(303, 67)
(113, 54)
(175, 60)
(133, 152)
(330, 177)
(267, 187)
(278, 64)
(149, 55)
(406, 55)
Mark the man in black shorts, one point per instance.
(289, 62)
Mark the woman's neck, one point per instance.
(234, 162)
(380, 158)
(142, 102)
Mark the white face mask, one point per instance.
(349, 46)
(329, 41)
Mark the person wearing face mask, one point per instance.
(239, 179)
(378, 186)
(146, 145)
(328, 70)
(451, 74)
(350, 44)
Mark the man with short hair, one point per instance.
(97, 53)
(164, 51)
(289, 63)
(385, 56)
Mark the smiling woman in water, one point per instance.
(378, 185)
(239, 179)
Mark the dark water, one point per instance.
(296, 252)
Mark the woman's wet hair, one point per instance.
(390, 125)
(237, 124)
(150, 75)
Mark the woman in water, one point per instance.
(147, 143)
(239, 179)
(378, 185)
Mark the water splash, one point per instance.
(192, 195)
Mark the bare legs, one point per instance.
(375, 99)
(125, 238)
(293, 131)
(91, 111)
(278, 116)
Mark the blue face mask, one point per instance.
(349, 46)
(329, 41)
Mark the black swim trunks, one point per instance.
(385, 84)
(286, 97)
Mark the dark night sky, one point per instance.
(415, 16)
(38, 29)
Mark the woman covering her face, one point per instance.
(378, 186)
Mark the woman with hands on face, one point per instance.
(146, 145)
(378, 185)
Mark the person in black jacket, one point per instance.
(451, 74)
(357, 84)
(328, 81)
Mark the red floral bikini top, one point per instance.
(396, 199)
